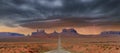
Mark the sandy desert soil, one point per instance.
(32, 47)
(74, 45)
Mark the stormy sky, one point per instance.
(60, 13)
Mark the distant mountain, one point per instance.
(65, 32)
(113, 33)
(8, 34)
(69, 32)
(54, 33)
(38, 33)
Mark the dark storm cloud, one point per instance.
(71, 22)
(65, 22)
(17, 12)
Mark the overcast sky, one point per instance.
(58, 13)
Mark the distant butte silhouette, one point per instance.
(8, 34)
(106, 33)
(70, 32)
(65, 32)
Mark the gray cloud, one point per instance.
(71, 22)
(17, 12)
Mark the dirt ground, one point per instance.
(29, 47)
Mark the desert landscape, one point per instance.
(59, 26)
(39, 42)
(74, 47)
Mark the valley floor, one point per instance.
(73, 45)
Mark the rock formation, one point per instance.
(110, 33)
(39, 33)
(8, 34)
(69, 32)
